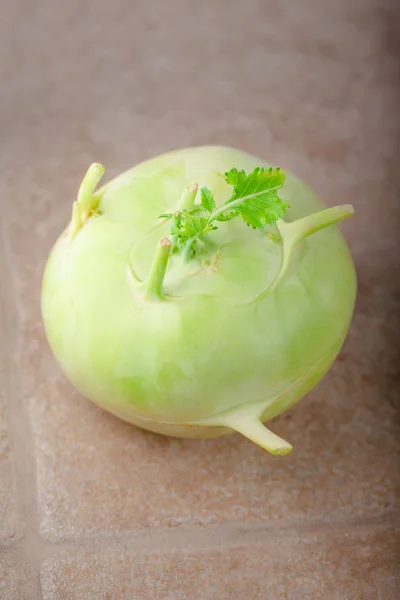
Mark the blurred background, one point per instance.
(312, 86)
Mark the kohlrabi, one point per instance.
(198, 293)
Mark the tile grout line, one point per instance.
(29, 545)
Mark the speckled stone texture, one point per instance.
(102, 510)
(8, 494)
(8, 513)
(10, 583)
(367, 559)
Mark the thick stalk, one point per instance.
(154, 282)
(89, 183)
(293, 232)
(86, 202)
(188, 197)
(304, 227)
(252, 428)
(76, 221)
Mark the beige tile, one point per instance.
(311, 86)
(338, 131)
(338, 566)
(8, 508)
(12, 579)
(8, 511)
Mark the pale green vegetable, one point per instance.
(191, 323)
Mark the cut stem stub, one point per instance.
(86, 202)
(188, 197)
(252, 428)
(293, 232)
(89, 183)
(155, 280)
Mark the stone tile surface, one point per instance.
(8, 492)
(95, 473)
(12, 579)
(312, 86)
(98, 98)
(338, 566)
(8, 510)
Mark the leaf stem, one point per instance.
(86, 201)
(188, 197)
(252, 428)
(155, 280)
(304, 227)
(224, 207)
(293, 232)
(76, 221)
(230, 205)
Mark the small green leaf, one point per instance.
(227, 216)
(166, 216)
(207, 199)
(188, 227)
(254, 198)
(235, 177)
(196, 209)
(176, 223)
(256, 195)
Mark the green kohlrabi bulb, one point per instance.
(198, 293)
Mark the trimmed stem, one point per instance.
(295, 231)
(86, 202)
(154, 282)
(89, 183)
(188, 197)
(254, 430)
(304, 227)
(76, 221)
